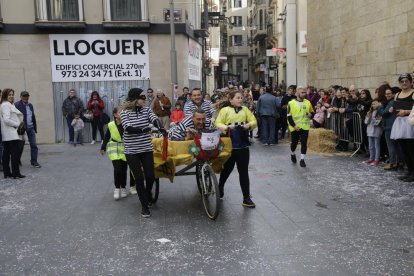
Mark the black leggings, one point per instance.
(303, 135)
(11, 152)
(120, 174)
(96, 123)
(407, 146)
(241, 158)
(146, 160)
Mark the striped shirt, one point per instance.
(137, 142)
(207, 106)
(179, 131)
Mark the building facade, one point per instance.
(359, 42)
(234, 48)
(105, 45)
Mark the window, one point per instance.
(237, 21)
(238, 40)
(224, 7)
(237, 3)
(59, 10)
(261, 21)
(125, 10)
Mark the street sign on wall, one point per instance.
(99, 57)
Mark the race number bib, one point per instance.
(210, 141)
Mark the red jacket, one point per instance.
(177, 116)
(97, 108)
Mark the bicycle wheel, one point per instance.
(209, 191)
(155, 190)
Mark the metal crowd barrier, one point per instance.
(347, 127)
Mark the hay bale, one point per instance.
(322, 140)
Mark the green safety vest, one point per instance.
(115, 147)
(298, 113)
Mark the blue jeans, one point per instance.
(374, 148)
(69, 119)
(268, 126)
(393, 148)
(31, 136)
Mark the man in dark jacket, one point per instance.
(290, 95)
(29, 119)
(268, 110)
(71, 105)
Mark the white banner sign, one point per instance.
(303, 42)
(194, 60)
(99, 57)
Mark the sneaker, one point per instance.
(369, 161)
(116, 194)
(145, 213)
(409, 179)
(293, 158)
(302, 163)
(402, 177)
(93, 142)
(35, 164)
(374, 163)
(133, 190)
(247, 202)
(124, 192)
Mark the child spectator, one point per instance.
(78, 125)
(374, 132)
(177, 115)
(319, 118)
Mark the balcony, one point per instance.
(238, 50)
(259, 34)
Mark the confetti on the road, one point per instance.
(163, 240)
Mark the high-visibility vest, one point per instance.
(298, 111)
(115, 147)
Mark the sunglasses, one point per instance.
(404, 81)
(142, 97)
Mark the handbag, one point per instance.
(104, 118)
(21, 129)
(88, 115)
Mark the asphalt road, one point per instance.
(335, 217)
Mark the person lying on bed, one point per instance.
(190, 125)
